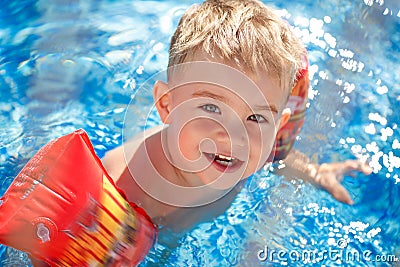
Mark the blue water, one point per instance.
(75, 64)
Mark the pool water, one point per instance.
(75, 64)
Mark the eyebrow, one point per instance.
(209, 94)
(205, 93)
(271, 108)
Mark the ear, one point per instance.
(285, 116)
(162, 99)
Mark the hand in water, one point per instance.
(326, 175)
(330, 175)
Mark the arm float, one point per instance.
(297, 103)
(64, 209)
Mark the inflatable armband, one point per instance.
(297, 103)
(64, 209)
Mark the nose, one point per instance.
(232, 132)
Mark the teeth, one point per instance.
(224, 163)
(222, 157)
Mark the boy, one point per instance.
(231, 68)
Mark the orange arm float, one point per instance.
(297, 103)
(64, 209)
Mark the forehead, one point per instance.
(253, 89)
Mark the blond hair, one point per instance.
(245, 31)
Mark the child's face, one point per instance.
(222, 124)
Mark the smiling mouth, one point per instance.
(224, 163)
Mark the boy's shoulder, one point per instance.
(116, 160)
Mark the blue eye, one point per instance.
(211, 108)
(257, 118)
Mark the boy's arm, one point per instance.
(326, 175)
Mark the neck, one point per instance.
(162, 160)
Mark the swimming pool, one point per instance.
(66, 65)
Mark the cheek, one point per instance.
(261, 146)
(191, 136)
(262, 138)
(187, 141)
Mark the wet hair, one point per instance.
(245, 31)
